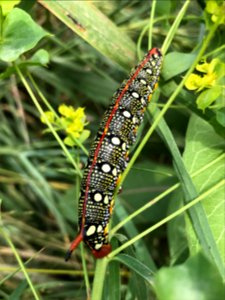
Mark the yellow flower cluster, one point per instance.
(211, 81)
(72, 121)
(217, 10)
(197, 82)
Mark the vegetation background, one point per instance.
(167, 230)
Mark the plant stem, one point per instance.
(20, 262)
(40, 94)
(161, 196)
(174, 27)
(151, 20)
(67, 153)
(1, 24)
(84, 265)
(98, 284)
(167, 219)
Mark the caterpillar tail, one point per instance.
(73, 246)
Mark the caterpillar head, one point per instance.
(104, 251)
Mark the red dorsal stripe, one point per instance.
(141, 65)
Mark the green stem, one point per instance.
(174, 27)
(1, 24)
(84, 265)
(34, 99)
(161, 196)
(221, 48)
(40, 94)
(139, 41)
(151, 21)
(167, 219)
(98, 284)
(20, 262)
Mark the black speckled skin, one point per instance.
(109, 151)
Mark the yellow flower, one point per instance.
(70, 113)
(65, 110)
(197, 82)
(207, 67)
(217, 11)
(49, 115)
(77, 126)
(72, 122)
(208, 80)
(79, 113)
(193, 82)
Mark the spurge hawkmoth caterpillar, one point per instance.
(109, 153)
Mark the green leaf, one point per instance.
(220, 116)
(196, 279)
(135, 265)
(177, 237)
(7, 6)
(18, 292)
(196, 213)
(176, 63)
(202, 146)
(94, 27)
(189, 100)
(208, 97)
(41, 57)
(20, 34)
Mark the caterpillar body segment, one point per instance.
(109, 153)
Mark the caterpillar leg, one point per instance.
(73, 246)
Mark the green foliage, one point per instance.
(79, 64)
(195, 279)
(7, 6)
(202, 147)
(19, 34)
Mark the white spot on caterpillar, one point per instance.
(98, 246)
(106, 199)
(149, 71)
(135, 120)
(126, 114)
(100, 228)
(106, 168)
(97, 197)
(143, 81)
(135, 95)
(114, 172)
(149, 88)
(91, 230)
(124, 146)
(143, 101)
(115, 141)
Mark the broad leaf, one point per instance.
(176, 63)
(19, 34)
(203, 145)
(196, 279)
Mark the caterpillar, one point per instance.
(109, 154)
